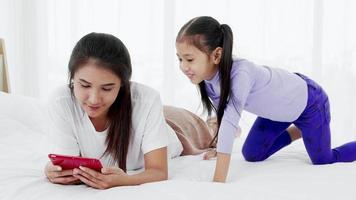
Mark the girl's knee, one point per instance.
(251, 156)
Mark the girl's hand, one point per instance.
(55, 174)
(109, 177)
(210, 154)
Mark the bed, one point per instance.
(286, 175)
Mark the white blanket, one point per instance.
(286, 175)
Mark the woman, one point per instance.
(104, 115)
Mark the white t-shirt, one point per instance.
(72, 132)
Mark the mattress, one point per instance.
(286, 175)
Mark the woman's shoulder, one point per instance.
(141, 92)
(145, 102)
(61, 96)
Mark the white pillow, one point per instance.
(27, 110)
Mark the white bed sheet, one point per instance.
(286, 175)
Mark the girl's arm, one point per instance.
(222, 167)
(156, 169)
(222, 164)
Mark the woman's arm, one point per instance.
(156, 169)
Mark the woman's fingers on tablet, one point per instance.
(68, 172)
(59, 174)
(55, 174)
(52, 168)
(64, 180)
(63, 177)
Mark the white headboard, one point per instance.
(4, 73)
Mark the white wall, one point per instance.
(315, 37)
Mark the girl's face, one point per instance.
(196, 64)
(96, 89)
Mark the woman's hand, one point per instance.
(55, 174)
(109, 177)
(155, 170)
(210, 154)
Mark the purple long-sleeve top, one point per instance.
(271, 93)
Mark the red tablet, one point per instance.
(71, 162)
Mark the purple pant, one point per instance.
(267, 137)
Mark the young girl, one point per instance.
(287, 104)
(104, 115)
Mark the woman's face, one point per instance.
(196, 64)
(96, 89)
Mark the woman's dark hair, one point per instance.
(110, 53)
(207, 34)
